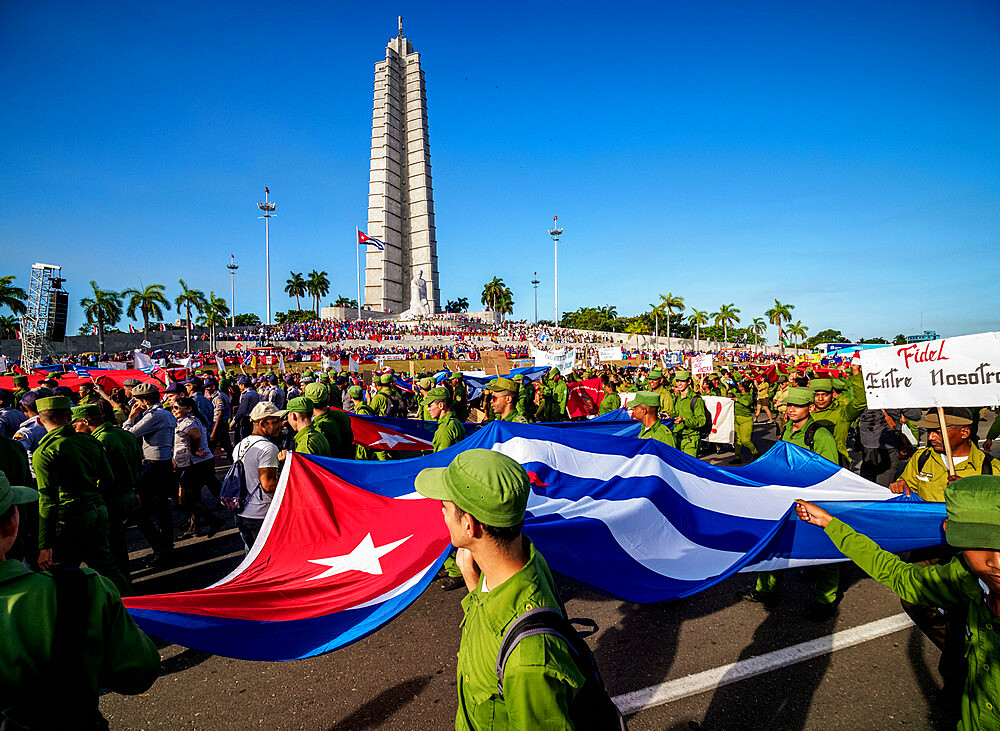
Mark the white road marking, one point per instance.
(672, 690)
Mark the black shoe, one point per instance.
(161, 560)
(215, 527)
(818, 612)
(450, 583)
(768, 598)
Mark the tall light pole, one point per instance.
(535, 283)
(232, 266)
(555, 232)
(268, 208)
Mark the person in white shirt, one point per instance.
(259, 455)
(196, 465)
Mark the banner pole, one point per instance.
(950, 461)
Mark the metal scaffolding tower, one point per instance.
(36, 321)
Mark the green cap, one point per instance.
(782, 379)
(821, 384)
(386, 379)
(489, 486)
(553, 371)
(456, 376)
(682, 375)
(53, 403)
(646, 398)
(20, 380)
(953, 416)
(298, 405)
(86, 411)
(14, 494)
(499, 385)
(355, 392)
(973, 505)
(519, 378)
(427, 383)
(839, 383)
(437, 394)
(654, 374)
(318, 393)
(798, 396)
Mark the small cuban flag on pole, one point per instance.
(363, 240)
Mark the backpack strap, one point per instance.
(538, 621)
(987, 465)
(809, 438)
(924, 456)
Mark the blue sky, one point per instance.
(839, 157)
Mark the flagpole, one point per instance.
(358, 252)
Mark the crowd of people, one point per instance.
(145, 454)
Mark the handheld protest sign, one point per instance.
(962, 371)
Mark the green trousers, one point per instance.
(689, 443)
(826, 578)
(744, 431)
(83, 538)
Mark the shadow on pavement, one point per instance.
(182, 661)
(381, 708)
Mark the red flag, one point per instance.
(584, 397)
(266, 190)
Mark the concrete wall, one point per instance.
(113, 342)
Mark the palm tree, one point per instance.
(777, 315)
(104, 310)
(12, 297)
(505, 303)
(345, 301)
(669, 302)
(758, 327)
(148, 301)
(190, 299)
(318, 286)
(492, 292)
(463, 304)
(215, 313)
(797, 331)
(726, 316)
(656, 312)
(698, 318)
(8, 327)
(296, 287)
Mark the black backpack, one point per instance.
(397, 407)
(810, 439)
(592, 707)
(234, 493)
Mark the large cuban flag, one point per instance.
(347, 544)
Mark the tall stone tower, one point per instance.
(400, 201)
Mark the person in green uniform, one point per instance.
(381, 401)
(449, 432)
(645, 407)
(20, 388)
(506, 576)
(690, 414)
(800, 430)
(71, 470)
(968, 585)
(838, 417)
(525, 397)
(764, 400)
(459, 396)
(51, 683)
(779, 403)
(424, 385)
(611, 401)
(657, 384)
(357, 394)
(308, 439)
(319, 395)
(743, 416)
(125, 459)
(543, 403)
(560, 395)
(504, 392)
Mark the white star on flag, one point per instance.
(365, 557)
(391, 440)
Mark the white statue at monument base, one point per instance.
(419, 306)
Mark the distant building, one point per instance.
(926, 335)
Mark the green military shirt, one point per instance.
(18, 395)
(611, 402)
(560, 395)
(659, 432)
(823, 442)
(325, 424)
(745, 403)
(449, 431)
(69, 468)
(951, 586)
(459, 398)
(14, 462)
(666, 400)
(380, 401)
(310, 440)
(930, 479)
(515, 417)
(345, 447)
(692, 409)
(116, 653)
(540, 678)
(361, 451)
(91, 398)
(837, 417)
(125, 458)
(526, 400)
